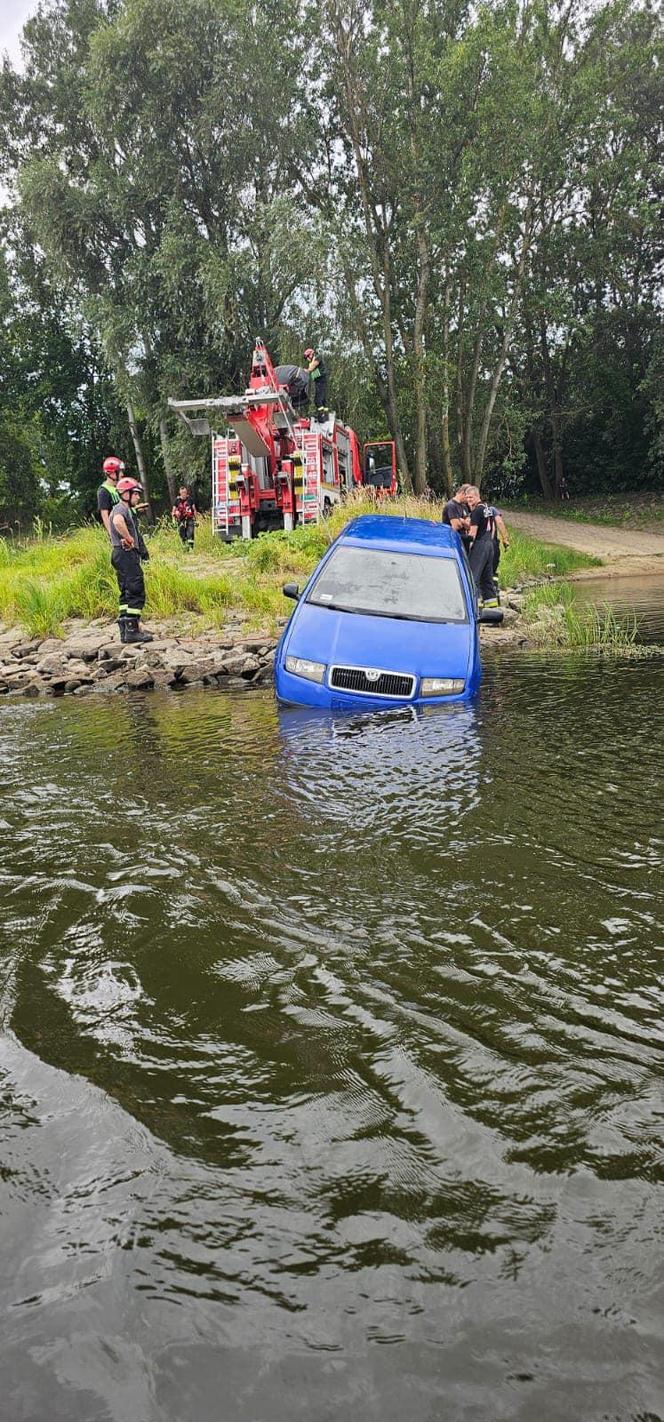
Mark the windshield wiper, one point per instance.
(373, 612)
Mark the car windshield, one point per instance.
(388, 584)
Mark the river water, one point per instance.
(331, 1056)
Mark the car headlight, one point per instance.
(441, 686)
(300, 666)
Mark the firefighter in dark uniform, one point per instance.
(481, 546)
(107, 493)
(318, 375)
(128, 552)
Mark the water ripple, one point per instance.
(334, 1041)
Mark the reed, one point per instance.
(555, 619)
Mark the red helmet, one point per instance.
(309, 352)
(129, 486)
(113, 466)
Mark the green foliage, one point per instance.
(555, 619)
(460, 203)
(19, 476)
(526, 558)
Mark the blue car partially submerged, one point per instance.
(388, 618)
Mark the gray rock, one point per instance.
(110, 664)
(233, 664)
(162, 679)
(76, 667)
(250, 664)
(84, 649)
(117, 681)
(139, 678)
(23, 676)
(196, 671)
(53, 664)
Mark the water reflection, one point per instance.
(321, 1034)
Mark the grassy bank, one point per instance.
(46, 581)
(554, 619)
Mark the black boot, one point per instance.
(134, 633)
(122, 624)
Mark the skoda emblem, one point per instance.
(371, 674)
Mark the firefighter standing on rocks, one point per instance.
(107, 493)
(128, 552)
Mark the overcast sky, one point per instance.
(13, 15)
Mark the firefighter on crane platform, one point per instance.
(318, 375)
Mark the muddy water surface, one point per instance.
(331, 1056)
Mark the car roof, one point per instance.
(417, 535)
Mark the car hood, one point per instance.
(388, 643)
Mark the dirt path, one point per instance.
(623, 551)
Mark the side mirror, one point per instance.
(492, 616)
(291, 590)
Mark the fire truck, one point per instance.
(273, 467)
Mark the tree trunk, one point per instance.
(386, 387)
(542, 471)
(469, 407)
(376, 232)
(166, 457)
(445, 411)
(505, 345)
(558, 470)
(140, 455)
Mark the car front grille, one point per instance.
(356, 679)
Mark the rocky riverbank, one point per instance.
(91, 658)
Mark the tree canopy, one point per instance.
(460, 203)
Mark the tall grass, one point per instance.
(555, 619)
(527, 558)
(49, 580)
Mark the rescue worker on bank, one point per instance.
(184, 514)
(480, 555)
(500, 535)
(318, 374)
(128, 552)
(456, 514)
(107, 493)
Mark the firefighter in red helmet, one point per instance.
(128, 552)
(107, 493)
